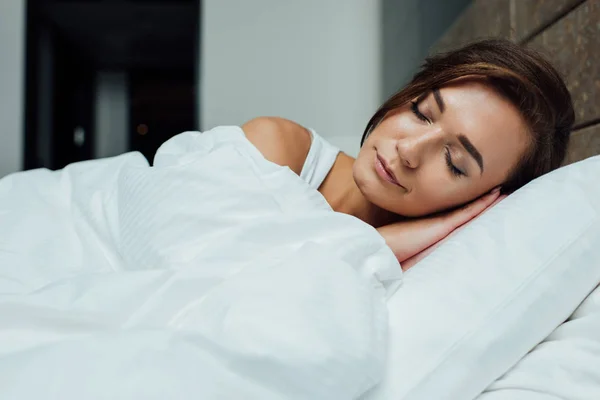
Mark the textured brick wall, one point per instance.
(566, 31)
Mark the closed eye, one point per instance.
(415, 109)
(453, 169)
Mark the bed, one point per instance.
(121, 281)
(563, 362)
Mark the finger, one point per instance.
(489, 198)
(480, 204)
(498, 200)
(473, 209)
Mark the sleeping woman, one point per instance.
(473, 125)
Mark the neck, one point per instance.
(343, 195)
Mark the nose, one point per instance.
(410, 150)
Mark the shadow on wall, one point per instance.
(410, 28)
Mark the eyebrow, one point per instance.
(471, 150)
(466, 143)
(438, 99)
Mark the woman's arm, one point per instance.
(280, 141)
(412, 240)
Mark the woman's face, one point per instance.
(447, 148)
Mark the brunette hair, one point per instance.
(520, 74)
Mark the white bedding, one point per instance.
(122, 281)
(494, 290)
(218, 275)
(565, 366)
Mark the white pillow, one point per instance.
(565, 366)
(488, 295)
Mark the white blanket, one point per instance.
(213, 274)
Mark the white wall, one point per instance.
(316, 62)
(111, 114)
(12, 69)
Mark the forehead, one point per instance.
(491, 122)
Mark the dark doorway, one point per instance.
(108, 76)
(162, 105)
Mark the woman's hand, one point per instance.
(412, 240)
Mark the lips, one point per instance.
(384, 171)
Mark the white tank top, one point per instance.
(319, 160)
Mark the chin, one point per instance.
(394, 206)
(375, 193)
(394, 203)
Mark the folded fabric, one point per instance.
(214, 274)
(566, 365)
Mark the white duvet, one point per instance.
(213, 274)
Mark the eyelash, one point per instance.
(455, 171)
(415, 109)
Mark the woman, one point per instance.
(474, 123)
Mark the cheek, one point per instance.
(437, 192)
(394, 125)
(429, 199)
(361, 171)
(433, 188)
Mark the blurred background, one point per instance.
(85, 79)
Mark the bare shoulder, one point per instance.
(280, 141)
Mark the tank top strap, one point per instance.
(319, 161)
